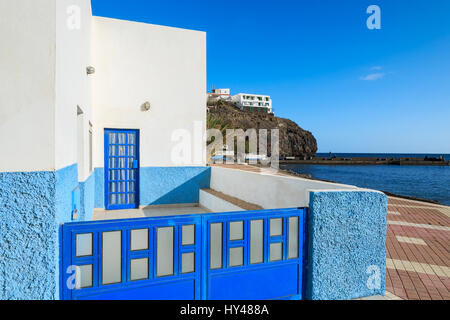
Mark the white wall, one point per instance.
(44, 79)
(43, 66)
(27, 85)
(138, 62)
(268, 190)
(216, 204)
(73, 42)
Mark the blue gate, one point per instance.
(237, 256)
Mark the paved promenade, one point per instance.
(418, 250)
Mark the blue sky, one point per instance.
(355, 89)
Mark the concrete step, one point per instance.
(216, 201)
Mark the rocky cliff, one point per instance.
(294, 141)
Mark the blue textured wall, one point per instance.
(99, 196)
(172, 185)
(87, 191)
(347, 235)
(28, 236)
(162, 185)
(32, 207)
(66, 182)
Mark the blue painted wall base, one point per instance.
(33, 205)
(87, 189)
(162, 185)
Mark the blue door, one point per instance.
(121, 169)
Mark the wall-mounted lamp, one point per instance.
(146, 106)
(90, 70)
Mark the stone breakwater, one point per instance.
(368, 161)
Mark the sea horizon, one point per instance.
(383, 154)
(423, 182)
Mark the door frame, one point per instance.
(106, 166)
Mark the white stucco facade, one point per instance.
(47, 46)
(27, 85)
(137, 63)
(73, 85)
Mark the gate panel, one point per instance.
(253, 255)
(148, 259)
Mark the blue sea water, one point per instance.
(426, 182)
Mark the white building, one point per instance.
(219, 94)
(253, 102)
(73, 140)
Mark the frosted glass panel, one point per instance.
(131, 198)
(188, 262)
(276, 227)
(113, 187)
(122, 163)
(122, 199)
(112, 257)
(112, 163)
(122, 138)
(188, 235)
(236, 230)
(83, 277)
(276, 251)
(83, 245)
(112, 150)
(112, 138)
(112, 175)
(256, 241)
(139, 269)
(236, 257)
(164, 258)
(293, 237)
(139, 239)
(216, 246)
(112, 199)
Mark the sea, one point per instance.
(425, 182)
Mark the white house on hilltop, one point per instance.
(253, 102)
(219, 94)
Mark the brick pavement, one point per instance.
(417, 250)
